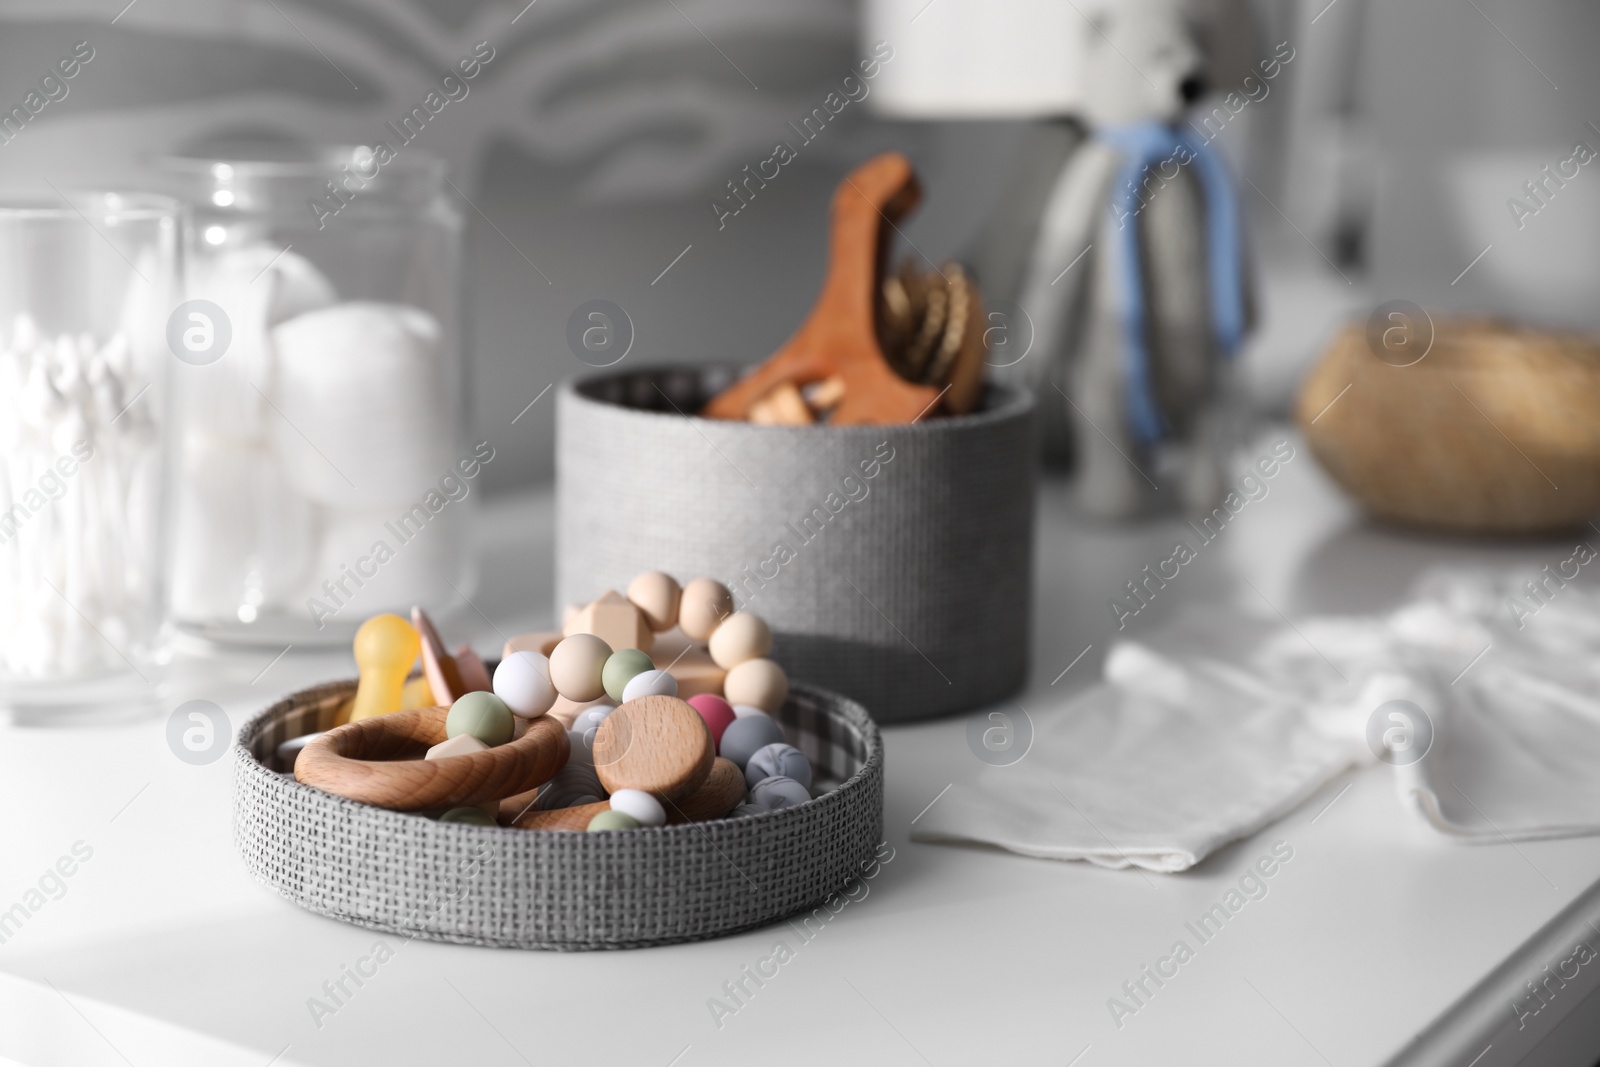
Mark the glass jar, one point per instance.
(86, 284)
(323, 472)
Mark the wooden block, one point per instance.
(378, 761)
(562, 818)
(782, 406)
(439, 666)
(540, 641)
(688, 663)
(719, 794)
(615, 620)
(658, 744)
(474, 675)
(566, 711)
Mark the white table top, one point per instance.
(162, 950)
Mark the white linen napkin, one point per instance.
(1223, 722)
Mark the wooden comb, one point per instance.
(840, 337)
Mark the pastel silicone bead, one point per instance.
(385, 648)
(746, 809)
(523, 681)
(621, 668)
(656, 596)
(459, 745)
(612, 820)
(758, 682)
(575, 666)
(741, 711)
(651, 683)
(591, 718)
(580, 746)
(775, 793)
(702, 607)
(778, 760)
(483, 715)
(715, 711)
(645, 809)
(742, 636)
(745, 737)
(573, 784)
(475, 816)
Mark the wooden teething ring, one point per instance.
(379, 761)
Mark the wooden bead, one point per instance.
(614, 620)
(719, 794)
(760, 683)
(658, 744)
(575, 666)
(656, 595)
(540, 641)
(378, 761)
(562, 818)
(742, 636)
(702, 608)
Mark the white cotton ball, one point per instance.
(243, 536)
(366, 405)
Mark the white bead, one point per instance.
(650, 683)
(640, 805)
(591, 718)
(523, 681)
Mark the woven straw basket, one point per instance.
(901, 582)
(553, 889)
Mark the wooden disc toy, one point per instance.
(658, 744)
(379, 761)
(719, 794)
(840, 338)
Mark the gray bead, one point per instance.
(778, 761)
(745, 737)
(774, 793)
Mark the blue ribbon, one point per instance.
(1143, 145)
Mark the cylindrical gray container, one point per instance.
(893, 563)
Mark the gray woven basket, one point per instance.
(907, 590)
(555, 889)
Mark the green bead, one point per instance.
(620, 669)
(612, 820)
(483, 715)
(476, 816)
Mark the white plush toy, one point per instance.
(1136, 283)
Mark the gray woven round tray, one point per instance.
(554, 889)
(893, 563)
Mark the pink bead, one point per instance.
(717, 713)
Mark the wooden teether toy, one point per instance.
(379, 761)
(657, 744)
(385, 648)
(840, 337)
(440, 667)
